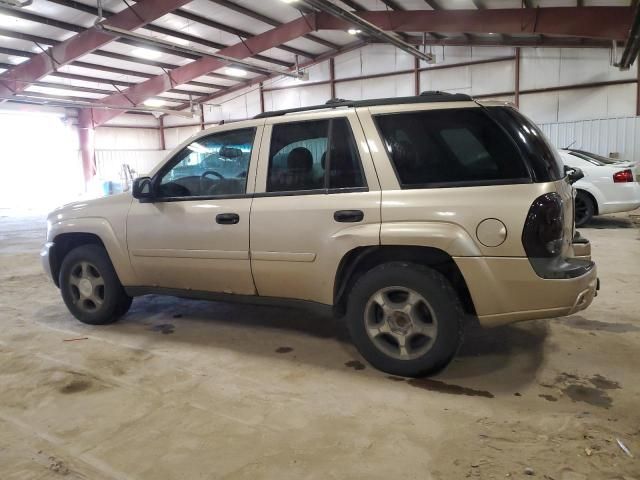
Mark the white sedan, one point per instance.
(607, 187)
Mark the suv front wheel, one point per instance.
(405, 319)
(90, 286)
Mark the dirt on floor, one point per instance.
(194, 390)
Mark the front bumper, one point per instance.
(507, 289)
(45, 258)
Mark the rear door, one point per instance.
(317, 197)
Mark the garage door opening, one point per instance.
(39, 162)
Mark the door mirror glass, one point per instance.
(142, 188)
(573, 174)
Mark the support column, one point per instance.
(638, 88)
(261, 88)
(332, 77)
(517, 78)
(87, 145)
(416, 75)
(201, 117)
(163, 144)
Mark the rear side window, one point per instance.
(442, 148)
(542, 157)
(314, 155)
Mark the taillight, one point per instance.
(623, 176)
(543, 232)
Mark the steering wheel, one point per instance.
(208, 172)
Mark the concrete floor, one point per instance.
(195, 390)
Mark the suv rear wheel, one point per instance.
(90, 286)
(405, 319)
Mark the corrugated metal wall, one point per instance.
(604, 136)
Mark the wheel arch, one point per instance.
(594, 199)
(63, 244)
(360, 260)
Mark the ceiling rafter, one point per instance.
(26, 15)
(86, 41)
(232, 30)
(104, 53)
(269, 21)
(611, 23)
(160, 83)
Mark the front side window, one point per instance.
(450, 147)
(314, 155)
(210, 166)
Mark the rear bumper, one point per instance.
(507, 289)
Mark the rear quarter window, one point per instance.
(451, 147)
(544, 160)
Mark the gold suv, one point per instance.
(405, 215)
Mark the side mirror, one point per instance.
(573, 174)
(142, 189)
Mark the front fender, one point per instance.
(114, 242)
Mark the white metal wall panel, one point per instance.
(109, 138)
(109, 162)
(603, 136)
(540, 107)
(585, 65)
(176, 135)
(457, 79)
(492, 78)
(539, 68)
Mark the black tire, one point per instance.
(585, 208)
(107, 301)
(443, 304)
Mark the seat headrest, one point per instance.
(300, 158)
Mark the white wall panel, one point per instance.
(176, 135)
(348, 64)
(492, 77)
(540, 107)
(314, 95)
(110, 138)
(603, 136)
(109, 162)
(610, 101)
(539, 68)
(396, 86)
(351, 90)
(134, 119)
(456, 79)
(587, 65)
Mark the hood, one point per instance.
(97, 207)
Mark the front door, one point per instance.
(317, 198)
(194, 235)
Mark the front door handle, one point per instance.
(227, 218)
(348, 216)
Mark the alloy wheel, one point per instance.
(400, 322)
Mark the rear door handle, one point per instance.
(227, 218)
(348, 216)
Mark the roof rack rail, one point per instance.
(424, 97)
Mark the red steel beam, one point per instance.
(83, 43)
(610, 23)
(137, 94)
